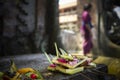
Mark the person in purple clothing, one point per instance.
(86, 29)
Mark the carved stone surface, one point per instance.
(18, 22)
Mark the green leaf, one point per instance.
(39, 75)
(56, 48)
(17, 1)
(1, 75)
(63, 52)
(89, 1)
(48, 58)
(13, 66)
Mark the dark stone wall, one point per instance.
(40, 38)
(23, 26)
(17, 27)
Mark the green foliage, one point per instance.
(17, 1)
(13, 67)
(48, 58)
